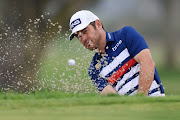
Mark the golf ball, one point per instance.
(71, 62)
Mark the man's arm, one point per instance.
(108, 90)
(146, 74)
(147, 69)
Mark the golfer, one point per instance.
(122, 63)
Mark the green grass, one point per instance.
(55, 106)
(170, 80)
(101, 112)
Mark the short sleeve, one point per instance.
(134, 41)
(99, 82)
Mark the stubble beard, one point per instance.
(95, 47)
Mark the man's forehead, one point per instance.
(79, 32)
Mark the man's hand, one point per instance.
(146, 74)
(108, 90)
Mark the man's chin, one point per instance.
(90, 48)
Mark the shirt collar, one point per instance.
(109, 37)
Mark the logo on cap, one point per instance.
(75, 23)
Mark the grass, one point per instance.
(61, 99)
(94, 112)
(100, 112)
(170, 80)
(55, 106)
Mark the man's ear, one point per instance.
(98, 24)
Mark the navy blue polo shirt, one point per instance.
(117, 67)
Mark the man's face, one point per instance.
(89, 37)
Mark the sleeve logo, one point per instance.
(75, 23)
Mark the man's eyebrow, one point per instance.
(84, 29)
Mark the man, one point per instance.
(122, 63)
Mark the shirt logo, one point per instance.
(109, 35)
(117, 45)
(98, 66)
(75, 23)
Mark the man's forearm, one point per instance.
(146, 73)
(146, 77)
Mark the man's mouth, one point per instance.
(88, 43)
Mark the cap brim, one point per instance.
(71, 36)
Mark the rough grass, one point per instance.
(171, 80)
(62, 99)
(55, 106)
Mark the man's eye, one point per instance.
(84, 31)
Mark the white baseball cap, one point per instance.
(81, 20)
